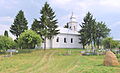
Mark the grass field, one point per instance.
(54, 61)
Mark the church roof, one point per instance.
(67, 31)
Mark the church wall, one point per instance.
(68, 44)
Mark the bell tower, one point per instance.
(73, 23)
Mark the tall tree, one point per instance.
(88, 26)
(19, 24)
(66, 26)
(102, 31)
(49, 23)
(92, 32)
(6, 33)
(37, 27)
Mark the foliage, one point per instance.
(102, 31)
(49, 22)
(19, 24)
(86, 33)
(6, 33)
(109, 43)
(37, 27)
(92, 32)
(6, 42)
(66, 26)
(29, 39)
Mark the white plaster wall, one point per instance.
(68, 37)
(53, 44)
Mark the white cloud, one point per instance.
(6, 19)
(60, 2)
(5, 27)
(110, 3)
(9, 4)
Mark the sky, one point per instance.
(107, 11)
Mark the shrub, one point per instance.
(29, 39)
(6, 42)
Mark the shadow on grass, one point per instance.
(21, 51)
(108, 66)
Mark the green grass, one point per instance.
(54, 61)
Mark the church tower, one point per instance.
(73, 23)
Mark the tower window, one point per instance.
(71, 40)
(65, 41)
(57, 40)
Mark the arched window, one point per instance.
(71, 40)
(57, 40)
(65, 41)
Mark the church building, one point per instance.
(67, 38)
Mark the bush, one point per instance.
(6, 42)
(29, 39)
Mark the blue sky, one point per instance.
(103, 10)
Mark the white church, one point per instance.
(67, 38)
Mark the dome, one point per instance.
(72, 18)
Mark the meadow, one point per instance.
(54, 61)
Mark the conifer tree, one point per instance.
(19, 24)
(37, 27)
(6, 33)
(86, 33)
(66, 26)
(49, 23)
(92, 32)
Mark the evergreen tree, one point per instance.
(102, 31)
(92, 32)
(6, 33)
(66, 26)
(19, 24)
(37, 27)
(49, 23)
(88, 26)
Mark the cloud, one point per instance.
(5, 27)
(6, 19)
(110, 3)
(8, 4)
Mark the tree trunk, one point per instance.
(83, 46)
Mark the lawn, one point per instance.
(54, 61)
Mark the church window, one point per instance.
(57, 39)
(65, 41)
(71, 40)
(74, 27)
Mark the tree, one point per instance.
(19, 24)
(109, 43)
(6, 42)
(6, 33)
(102, 31)
(37, 27)
(66, 26)
(49, 23)
(29, 39)
(86, 33)
(92, 32)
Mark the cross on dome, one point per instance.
(73, 18)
